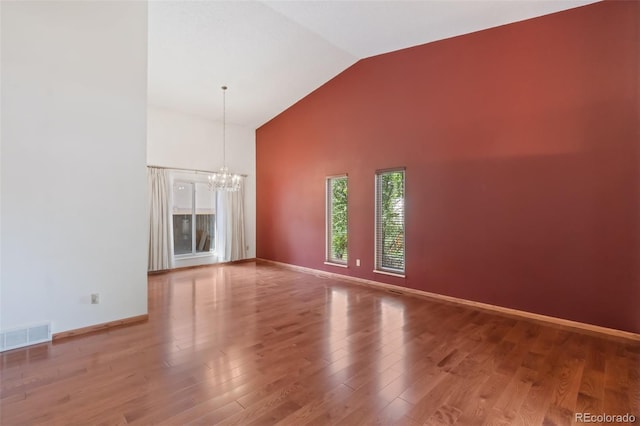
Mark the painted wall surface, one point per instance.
(74, 196)
(522, 165)
(181, 140)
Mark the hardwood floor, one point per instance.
(255, 344)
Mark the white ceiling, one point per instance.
(273, 53)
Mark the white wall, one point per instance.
(175, 139)
(73, 135)
(1, 327)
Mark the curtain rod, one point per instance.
(187, 170)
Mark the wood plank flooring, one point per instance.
(255, 344)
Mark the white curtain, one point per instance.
(160, 247)
(230, 241)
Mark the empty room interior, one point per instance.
(319, 212)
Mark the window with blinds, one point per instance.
(389, 237)
(337, 219)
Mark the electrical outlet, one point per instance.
(357, 262)
(95, 298)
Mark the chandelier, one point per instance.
(223, 179)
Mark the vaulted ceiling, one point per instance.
(273, 53)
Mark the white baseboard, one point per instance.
(576, 325)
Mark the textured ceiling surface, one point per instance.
(273, 53)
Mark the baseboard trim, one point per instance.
(99, 327)
(565, 323)
(247, 260)
(184, 268)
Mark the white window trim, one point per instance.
(391, 274)
(190, 178)
(401, 273)
(327, 233)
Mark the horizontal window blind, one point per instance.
(390, 232)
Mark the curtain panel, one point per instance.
(160, 247)
(231, 242)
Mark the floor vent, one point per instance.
(25, 336)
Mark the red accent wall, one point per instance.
(521, 148)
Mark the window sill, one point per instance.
(392, 274)
(194, 256)
(340, 265)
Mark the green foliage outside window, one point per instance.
(339, 218)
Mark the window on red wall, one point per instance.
(336, 194)
(390, 226)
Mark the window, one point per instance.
(194, 218)
(389, 232)
(337, 219)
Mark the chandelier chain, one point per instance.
(224, 126)
(224, 180)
